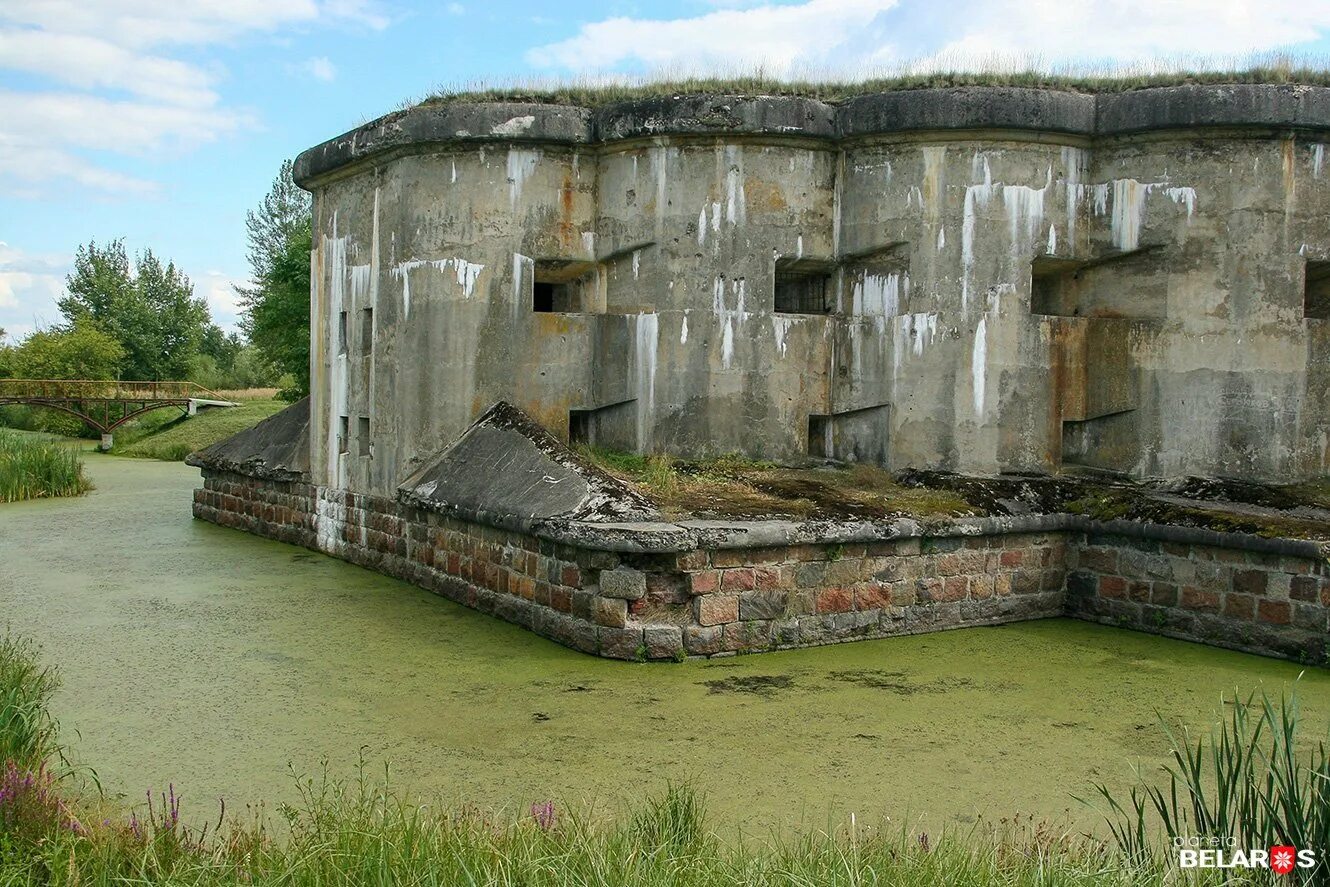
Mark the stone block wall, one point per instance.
(661, 606)
(1270, 602)
(1257, 595)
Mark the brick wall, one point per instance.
(723, 601)
(1258, 601)
(661, 606)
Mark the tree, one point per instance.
(275, 310)
(151, 312)
(80, 351)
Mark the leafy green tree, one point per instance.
(149, 310)
(80, 351)
(276, 308)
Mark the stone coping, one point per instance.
(663, 537)
(916, 110)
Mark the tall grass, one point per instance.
(1252, 777)
(836, 84)
(33, 467)
(28, 733)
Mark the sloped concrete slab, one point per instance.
(507, 465)
(275, 449)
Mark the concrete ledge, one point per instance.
(700, 114)
(1235, 105)
(970, 107)
(509, 122)
(960, 108)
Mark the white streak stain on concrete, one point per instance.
(648, 341)
(979, 365)
(521, 164)
(513, 126)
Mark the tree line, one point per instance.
(137, 318)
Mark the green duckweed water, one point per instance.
(211, 659)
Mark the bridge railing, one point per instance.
(87, 389)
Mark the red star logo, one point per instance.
(1282, 859)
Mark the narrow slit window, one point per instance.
(341, 332)
(343, 433)
(558, 285)
(819, 437)
(367, 330)
(1316, 291)
(579, 427)
(362, 436)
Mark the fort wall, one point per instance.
(1001, 280)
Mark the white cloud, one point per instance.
(850, 37)
(456, 9)
(218, 290)
(29, 287)
(775, 37)
(321, 68)
(119, 90)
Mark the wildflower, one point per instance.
(544, 815)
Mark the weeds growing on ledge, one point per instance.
(35, 467)
(835, 86)
(733, 486)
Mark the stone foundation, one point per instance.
(663, 591)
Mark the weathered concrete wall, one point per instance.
(1018, 279)
(656, 591)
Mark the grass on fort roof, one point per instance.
(836, 86)
(732, 486)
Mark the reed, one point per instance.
(34, 467)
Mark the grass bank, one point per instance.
(55, 829)
(34, 466)
(170, 437)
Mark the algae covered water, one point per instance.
(218, 662)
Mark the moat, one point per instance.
(210, 658)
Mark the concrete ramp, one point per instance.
(275, 449)
(507, 465)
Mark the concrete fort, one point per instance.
(974, 279)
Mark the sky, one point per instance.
(164, 121)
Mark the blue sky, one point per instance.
(163, 121)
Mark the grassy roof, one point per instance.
(588, 93)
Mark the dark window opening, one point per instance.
(1053, 287)
(362, 436)
(367, 330)
(558, 285)
(341, 332)
(819, 437)
(343, 434)
(803, 287)
(1316, 291)
(545, 296)
(579, 427)
(802, 293)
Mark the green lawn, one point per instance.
(168, 436)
